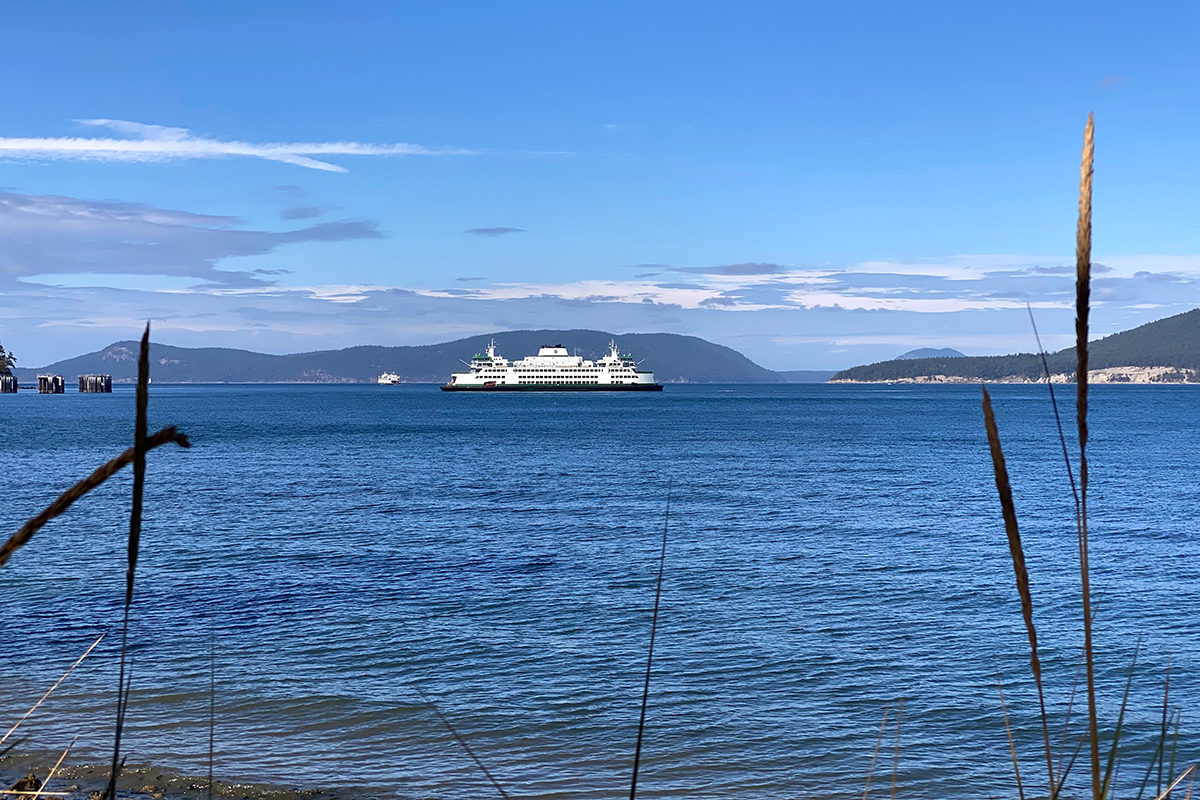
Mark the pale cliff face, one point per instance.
(1143, 375)
(1106, 375)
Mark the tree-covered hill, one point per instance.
(1171, 342)
(672, 358)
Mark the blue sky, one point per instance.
(814, 185)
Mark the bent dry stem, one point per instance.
(59, 507)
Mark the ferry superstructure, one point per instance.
(553, 369)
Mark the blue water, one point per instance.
(831, 549)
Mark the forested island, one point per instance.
(1164, 351)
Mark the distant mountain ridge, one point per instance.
(930, 352)
(673, 358)
(1167, 350)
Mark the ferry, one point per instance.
(389, 379)
(553, 369)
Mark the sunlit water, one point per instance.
(831, 549)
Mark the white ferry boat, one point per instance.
(553, 369)
(389, 379)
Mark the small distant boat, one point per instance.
(552, 370)
(389, 379)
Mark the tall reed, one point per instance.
(135, 532)
(1101, 781)
(1083, 291)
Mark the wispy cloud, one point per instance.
(77, 273)
(748, 268)
(300, 212)
(43, 235)
(795, 320)
(142, 143)
(494, 231)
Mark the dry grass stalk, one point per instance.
(1174, 748)
(896, 755)
(1083, 288)
(662, 562)
(212, 702)
(1162, 742)
(1190, 770)
(875, 752)
(50, 691)
(1015, 549)
(1062, 778)
(135, 532)
(54, 769)
(1109, 778)
(1159, 759)
(1062, 747)
(66, 499)
(1012, 748)
(463, 742)
(1062, 439)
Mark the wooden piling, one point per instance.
(95, 384)
(51, 384)
(8, 384)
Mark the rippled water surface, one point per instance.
(832, 549)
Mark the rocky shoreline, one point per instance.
(1122, 375)
(88, 781)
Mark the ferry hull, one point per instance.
(550, 387)
(553, 369)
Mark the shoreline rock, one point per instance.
(1116, 375)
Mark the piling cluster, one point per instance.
(56, 384)
(92, 384)
(51, 384)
